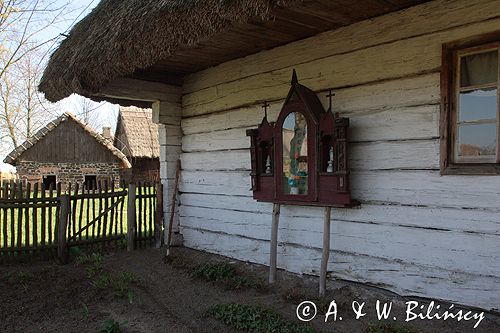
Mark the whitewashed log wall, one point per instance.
(416, 233)
(168, 115)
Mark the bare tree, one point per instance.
(21, 24)
(25, 42)
(87, 110)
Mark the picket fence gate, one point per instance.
(36, 222)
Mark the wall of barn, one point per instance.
(144, 170)
(66, 173)
(416, 232)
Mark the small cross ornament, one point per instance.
(265, 106)
(330, 95)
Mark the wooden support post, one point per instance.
(158, 215)
(274, 243)
(326, 252)
(173, 205)
(62, 244)
(131, 216)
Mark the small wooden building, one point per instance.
(6, 176)
(137, 137)
(418, 81)
(67, 151)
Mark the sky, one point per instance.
(105, 113)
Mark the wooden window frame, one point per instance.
(449, 91)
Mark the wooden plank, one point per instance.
(100, 210)
(399, 276)
(80, 211)
(378, 31)
(34, 218)
(383, 155)
(325, 252)
(113, 225)
(19, 216)
(62, 245)
(151, 215)
(376, 125)
(447, 250)
(5, 193)
(43, 217)
(158, 216)
(140, 217)
(112, 219)
(383, 62)
(131, 217)
(94, 188)
(274, 244)
(132, 89)
(87, 210)
(122, 198)
(49, 215)
(478, 221)
(409, 187)
(27, 194)
(105, 209)
(387, 97)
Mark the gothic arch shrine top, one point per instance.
(301, 159)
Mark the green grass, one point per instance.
(225, 274)
(120, 283)
(253, 318)
(86, 210)
(111, 326)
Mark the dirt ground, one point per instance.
(46, 297)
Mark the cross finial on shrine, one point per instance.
(330, 95)
(265, 106)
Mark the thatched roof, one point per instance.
(136, 134)
(119, 36)
(44, 131)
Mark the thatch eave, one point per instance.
(118, 37)
(164, 40)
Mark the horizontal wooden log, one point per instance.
(446, 219)
(398, 276)
(421, 154)
(406, 57)
(375, 125)
(416, 21)
(445, 249)
(417, 188)
(139, 90)
(382, 96)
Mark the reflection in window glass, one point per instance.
(477, 140)
(479, 69)
(295, 174)
(478, 104)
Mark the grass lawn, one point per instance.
(17, 225)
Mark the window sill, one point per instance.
(472, 169)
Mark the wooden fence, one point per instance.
(46, 223)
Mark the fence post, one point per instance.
(131, 216)
(158, 215)
(62, 244)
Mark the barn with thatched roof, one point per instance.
(398, 101)
(137, 137)
(68, 151)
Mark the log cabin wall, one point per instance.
(416, 233)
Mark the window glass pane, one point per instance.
(295, 154)
(477, 140)
(477, 69)
(478, 104)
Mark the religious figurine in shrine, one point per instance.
(330, 161)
